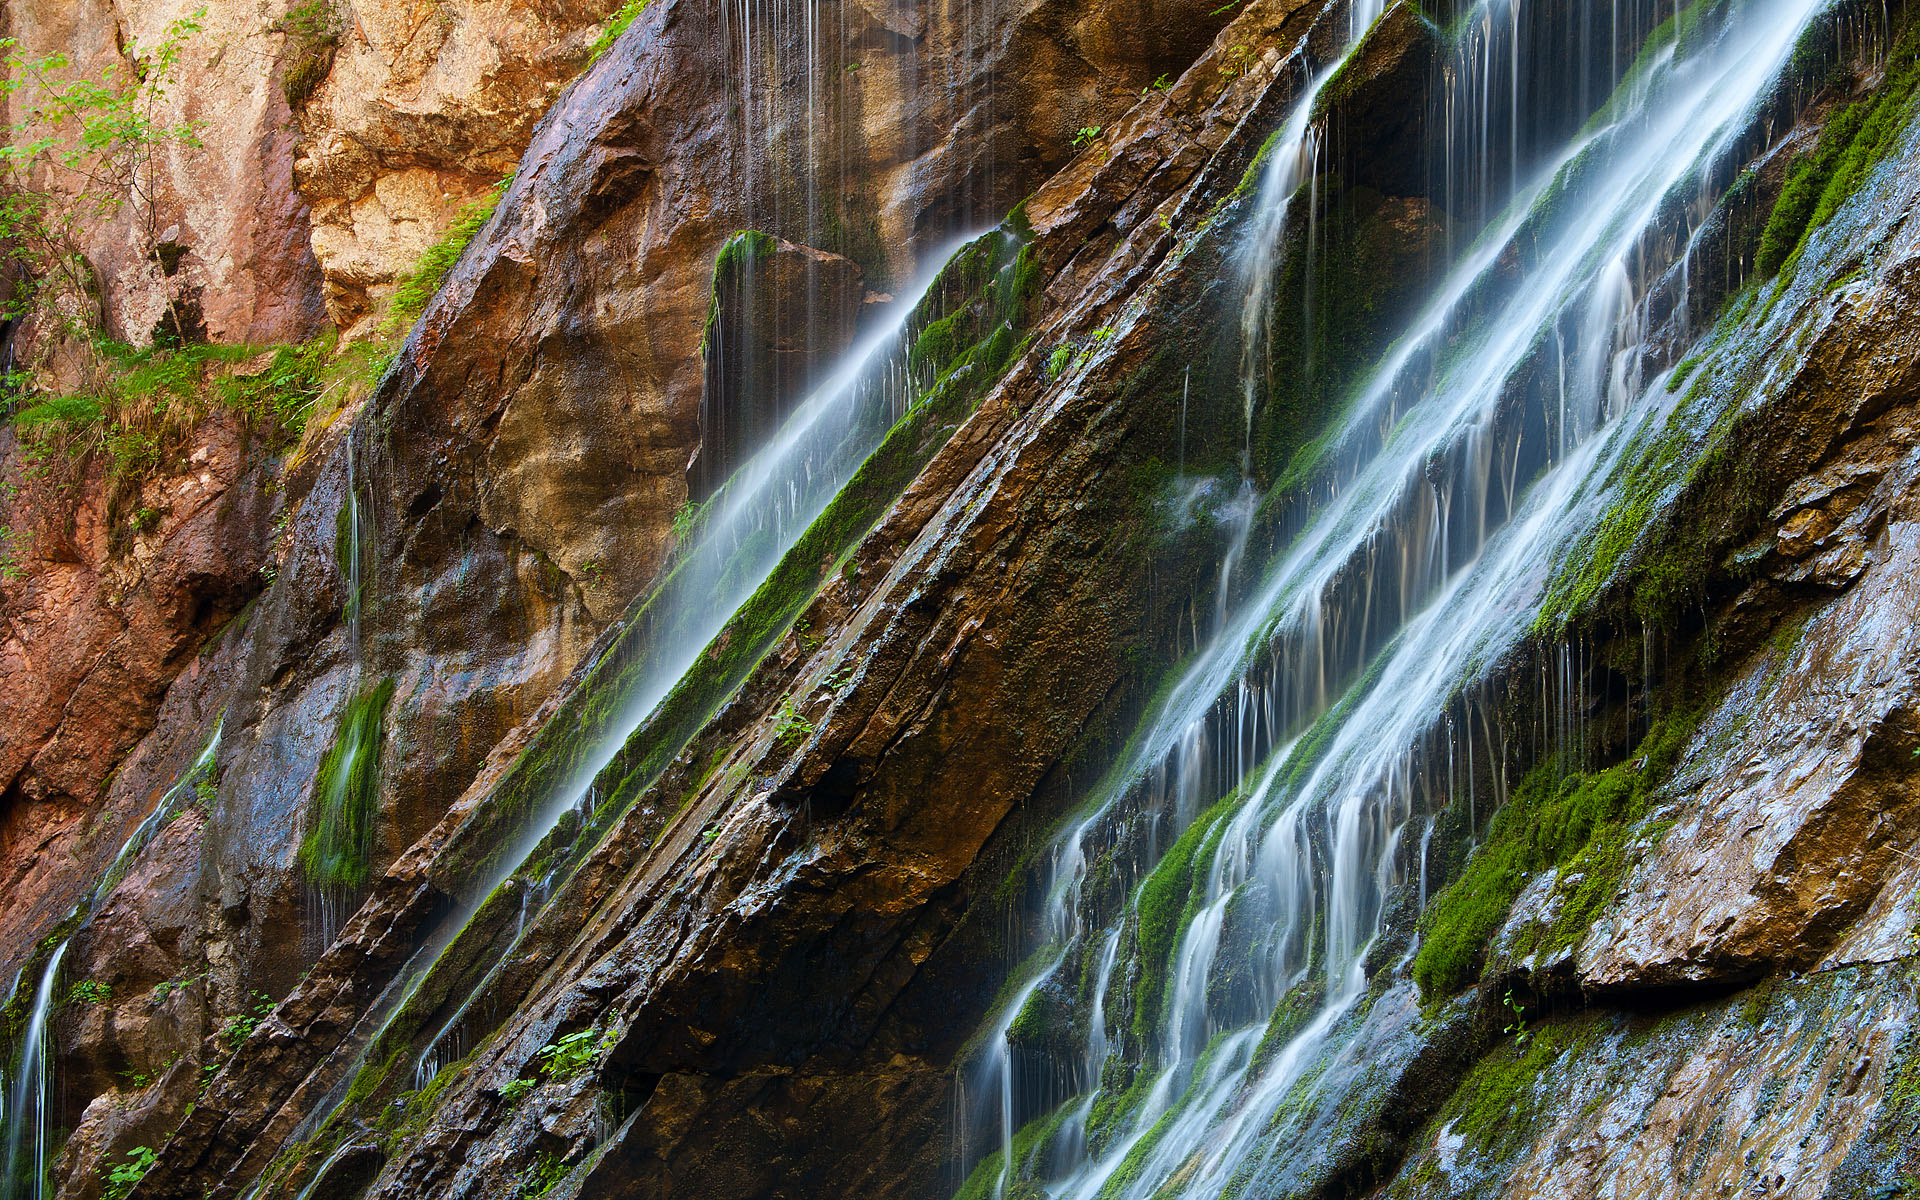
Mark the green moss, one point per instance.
(1128, 1173)
(1165, 900)
(1300, 1005)
(337, 850)
(369, 1080)
(1583, 822)
(1681, 498)
(737, 256)
(1113, 1106)
(1336, 307)
(1496, 1107)
(1681, 32)
(1854, 140)
(1030, 1142)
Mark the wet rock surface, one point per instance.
(776, 955)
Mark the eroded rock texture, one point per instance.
(751, 960)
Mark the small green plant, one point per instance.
(594, 573)
(89, 991)
(1162, 83)
(11, 545)
(1102, 334)
(685, 519)
(121, 1177)
(1518, 1026)
(516, 1090)
(572, 1054)
(168, 987)
(1086, 135)
(542, 1177)
(838, 679)
(709, 833)
(1059, 360)
(616, 25)
(241, 1025)
(791, 726)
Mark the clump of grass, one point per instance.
(616, 25)
(337, 850)
(140, 407)
(418, 286)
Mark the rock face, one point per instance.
(759, 945)
(227, 205)
(108, 606)
(533, 450)
(420, 112)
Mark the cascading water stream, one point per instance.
(25, 1087)
(747, 528)
(1423, 564)
(25, 1163)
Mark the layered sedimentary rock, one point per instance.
(784, 915)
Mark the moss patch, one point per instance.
(1854, 140)
(337, 850)
(1581, 820)
(1165, 902)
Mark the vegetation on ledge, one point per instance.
(1854, 140)
(1580, 821)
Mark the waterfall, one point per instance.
(1316, 715)
(734, 546)
(337, 846)
(25, 1165)
(26, 1084)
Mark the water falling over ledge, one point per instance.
(1320, 708)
